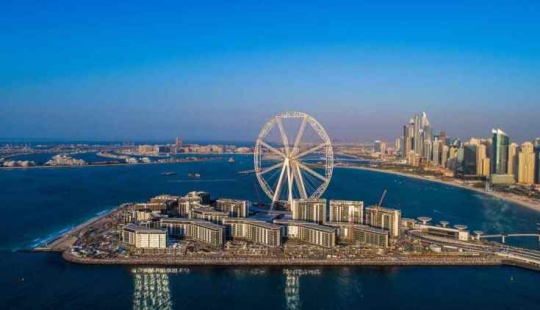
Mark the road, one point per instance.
(505, 251)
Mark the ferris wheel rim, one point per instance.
(325, 147)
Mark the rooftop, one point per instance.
(204, 209)
(359, 227)
(142, 229)
(305, 224)
(347, 202)
(198, 222)
(310, 200)
(252, 222)
(382, 209)
(231, 200)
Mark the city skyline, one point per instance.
(169, 137)
(99, 72)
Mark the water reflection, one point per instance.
(292, 285)
(152, 287)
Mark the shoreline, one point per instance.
(66, 239)
(110, 165)
(528, 204)
(166, 261)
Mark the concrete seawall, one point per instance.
(163, 261)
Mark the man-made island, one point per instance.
(72, 155)
(195, 230)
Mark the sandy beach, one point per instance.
(523, 201)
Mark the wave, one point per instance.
(37, 242)
(102, 212)
(50, 237)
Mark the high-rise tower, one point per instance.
(537, 160)
(526, 164)
(499, 161)
(513, 154)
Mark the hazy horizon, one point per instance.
(219, 71)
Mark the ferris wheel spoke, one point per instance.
(311, 171)
(277, 193)
(274, 167)
(299, 181)
(284, 138)
(273, 149)
(299, 135)
(311, 183)
(310, 151)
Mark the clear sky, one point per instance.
(138, 70)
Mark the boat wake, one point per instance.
(203, 181)
(446, 214)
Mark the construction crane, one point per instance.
(381, 201)
(352, 217)
(373, 221)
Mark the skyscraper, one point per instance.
(467, 159)
(537, 160)
(526, 164)
(418, 133)
(408, 139)
(452, 162)
(379, 147)
(444, 155)
(482, 161)
(428, 150)
(443, 138)
(499, 160)
(418, 140)
(513, 154)
(437, 146)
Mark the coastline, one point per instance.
(112, 165)
(514, 199)
(205, 261)
(64, 241)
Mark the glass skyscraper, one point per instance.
(499, 162)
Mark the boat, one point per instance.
(194, 175)
(168, 173)
(231, 160)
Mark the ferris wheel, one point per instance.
(293, 158)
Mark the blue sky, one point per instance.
(219, 69)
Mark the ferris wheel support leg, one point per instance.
(300, 180)
(277, 193)
(289, 181)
